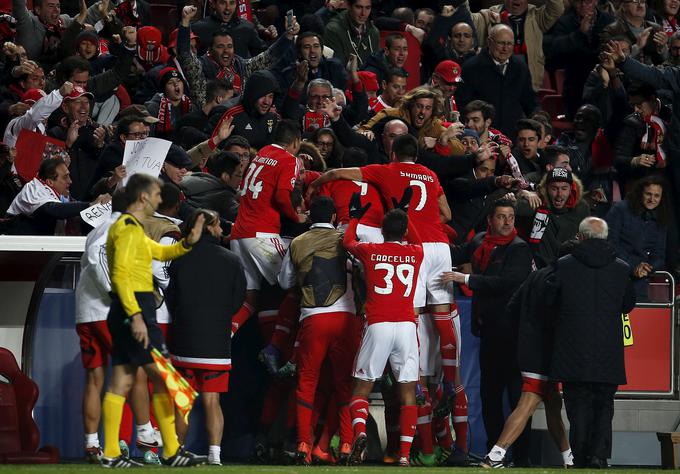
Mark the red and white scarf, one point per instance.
(655, 131)
(164, 125)
(314, 120)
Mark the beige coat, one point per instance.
(538, 21)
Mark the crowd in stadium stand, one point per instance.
(308, 140)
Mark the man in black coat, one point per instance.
(500, 262)
(501, 79)
(591, 289)
(206, 288)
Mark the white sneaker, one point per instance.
(214, 461)
(149, 439)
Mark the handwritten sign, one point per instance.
(144, 156)
(97, 214)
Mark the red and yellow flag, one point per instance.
(179, 389)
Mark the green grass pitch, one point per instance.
(242, 468)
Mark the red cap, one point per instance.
(172, 41)
(149, 40)
(31, 96)
(449, 71)
(78, 92)
(369, 80)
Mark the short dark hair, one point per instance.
(48, 168)
(322, 210)
(210, 218)
(307, 34)
(502, 202)
(220, 32)
(352, 2)
(312, 23)
(140, 183)
(286, 132)
(170, 195)
(395, 72)
(119, 200)
(392, 37)
(394, 225)
(354, 157)
(236, 140)
(124, 124)
(529, 124)
(405, 147)
(641, 89)
(404, 14)
(551, 153)
(70, 66)
(215, 87)
(488, 111)
(223, 162)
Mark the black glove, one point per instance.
(405, 200)
(355, 209)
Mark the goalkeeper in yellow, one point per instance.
(132, 321)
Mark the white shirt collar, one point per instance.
(322, 225)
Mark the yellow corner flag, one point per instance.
(179, 389)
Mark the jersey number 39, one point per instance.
(404, 273)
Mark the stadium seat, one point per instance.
(166, 17)
(19, 435)
(559, 81)
(554, 105)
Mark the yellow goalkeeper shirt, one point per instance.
(129, 252)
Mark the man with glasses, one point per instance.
(648, 47)
(500, 78)
(574, 42)
(674, 49)
(528, 24)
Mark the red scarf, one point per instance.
(482, 254)
(243, 10)
(164, 125)
(314, 120)
(229, 73)
(653, 138)
(670, 25)
(52, 37)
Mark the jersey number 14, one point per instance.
(250, 183)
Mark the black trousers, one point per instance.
(590, 409)
(500, 372)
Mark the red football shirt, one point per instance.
(341, 192)
(272, 171)
(391, 274)
(392, 179)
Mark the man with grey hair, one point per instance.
(499, 77)
(589, 290)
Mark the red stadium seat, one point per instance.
(19, 435)
(559, 81)
(554, 105)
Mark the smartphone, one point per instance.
(289, 17)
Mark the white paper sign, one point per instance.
(97, 214)
(144, 156)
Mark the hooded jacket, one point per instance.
(591, 288)
(258, 129)
(204, 190)
(341, 35)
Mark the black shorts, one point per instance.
(125, 350)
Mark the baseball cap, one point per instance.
(137, 110)
(178, 157)
(78, 92)
(172, 39)
(559, 175)
(449, 71)
(31, 96)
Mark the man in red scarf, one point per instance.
(170, 104)
(501, 261)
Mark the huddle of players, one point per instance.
(411, 332)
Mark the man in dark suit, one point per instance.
(498, 77)
(500, 262)
(590, 288)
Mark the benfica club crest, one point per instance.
(270, 125)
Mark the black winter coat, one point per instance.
(591, 288)
(207, 286)
(508, 268)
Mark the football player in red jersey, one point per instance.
(391, 270)
(428, 211)
(265, 196)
